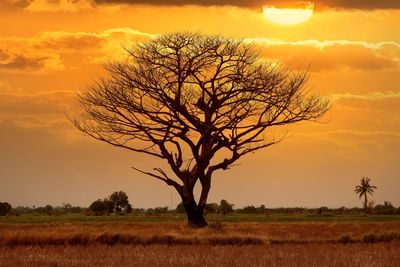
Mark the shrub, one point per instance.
(5, 208)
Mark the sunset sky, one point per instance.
(51, 49)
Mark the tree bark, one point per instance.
(195, 213)
(365, 201)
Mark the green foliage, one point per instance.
(99, 207)
(225, 207)
(119, 202)
(211, 208)
(387, 208)
(157, 211)
(180, 208)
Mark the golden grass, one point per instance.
(378, 254)
(180, 233)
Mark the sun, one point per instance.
(289, 15)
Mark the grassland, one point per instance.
(380, 254)
(229, 218)
(236, 240)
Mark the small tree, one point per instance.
(186, 98)
(211, 208)
(120, 202)
(98, 207)
(5, 208)
(225, 207)
(365, 188)
(108, 205)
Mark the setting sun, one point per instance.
(288, 15)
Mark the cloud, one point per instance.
(48, 103)
(385, 102)
(48, 51)
(52, 51)
(45, 111)
(336, 4)
(79, 5)
(331, 54)
(59, 5)
(12, 59)
(370, 96)
(10, 5)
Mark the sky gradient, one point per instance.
(49, 50)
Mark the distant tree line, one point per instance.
(118, 204)
(65, 208)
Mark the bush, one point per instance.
(117, 203)
(346, 239)
(180, 208)
(5, 208)
(225, 207)
(98, 208)
(211, 208)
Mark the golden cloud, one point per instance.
(330, 55)
(59, 5)
(48, 51)
(26, 59)
(56, 102)
(387, 102)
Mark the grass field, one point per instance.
(381, 254)
(236, 240)
(231, 218)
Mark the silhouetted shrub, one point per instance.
(180, 208)
(211, 208)
(225, 207)
(98, 208)
(5, 208)
(346, 239)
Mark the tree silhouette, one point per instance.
(364, 188)
(119, 201)
(198, 102)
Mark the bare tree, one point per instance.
(199, 102)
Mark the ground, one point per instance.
(237, 240)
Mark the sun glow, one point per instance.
(289, 16)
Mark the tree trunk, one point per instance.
(365, 201)
(195, 214)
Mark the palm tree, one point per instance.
(364, 189)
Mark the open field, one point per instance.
(380, 254)
(231, 218)
(169, 241)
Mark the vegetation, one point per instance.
(5, 208)
(311, 255)
(117, 203)
(144, 239)
(186, 98)
(226, 211)
(365, 188)
(175, 233)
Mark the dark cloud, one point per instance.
(339, 4)
(21, 62)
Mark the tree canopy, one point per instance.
(198, 102)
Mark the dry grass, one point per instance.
(378, 254)
(180, 233)
(220, 244)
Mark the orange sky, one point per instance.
(51, 49)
